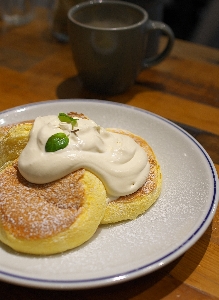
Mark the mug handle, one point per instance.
(156, 25)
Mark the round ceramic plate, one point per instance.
(131, 249)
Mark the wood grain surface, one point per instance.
(184, 89)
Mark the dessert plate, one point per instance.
(127, 250)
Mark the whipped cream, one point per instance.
(120, 163)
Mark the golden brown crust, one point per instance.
(33, 211)
(75, 115)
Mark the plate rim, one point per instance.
(137, 272)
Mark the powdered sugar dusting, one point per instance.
(38, 211)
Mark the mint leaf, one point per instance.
(56, 142)
(67, 119)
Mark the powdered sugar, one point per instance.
(32, 211)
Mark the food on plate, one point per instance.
(49, 218)
(13, 138)
(132, 205)
(65, 175)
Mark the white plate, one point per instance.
(128, 250)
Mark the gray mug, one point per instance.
(108, 40)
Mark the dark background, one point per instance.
(184, 15)
(194, 20)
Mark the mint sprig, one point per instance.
(67, 119)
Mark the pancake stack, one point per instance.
(43, 219)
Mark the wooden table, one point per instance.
(184, 88)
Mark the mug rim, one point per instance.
(79, 6)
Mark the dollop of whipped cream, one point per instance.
(119, 162)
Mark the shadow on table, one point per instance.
(154, 286)
(72, 88)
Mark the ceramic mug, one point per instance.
(108, 40)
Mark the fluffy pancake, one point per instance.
(13, 139)
(131, 206)
(54, 217)
(49, 218)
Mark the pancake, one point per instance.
(131, 206)
(54, 217)
(49, 218)
(13, 139)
